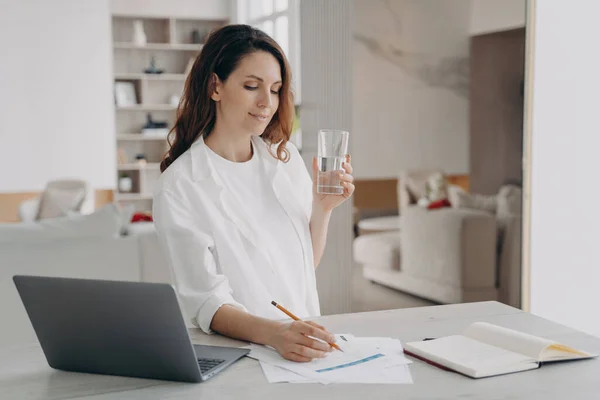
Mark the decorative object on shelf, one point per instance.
(150, 124)
(125, 183)
(154, 128)
(174, 100)
(139, 36)
(152, 68)
(122, 156)
(196, 37)
(140, 158)
(199, 37)
(125, 94)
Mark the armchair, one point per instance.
(446, 255)
(470, 252)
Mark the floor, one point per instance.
(369, 296)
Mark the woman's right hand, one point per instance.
(294, 341)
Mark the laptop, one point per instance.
(117, 328)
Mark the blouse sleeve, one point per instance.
(191, 252)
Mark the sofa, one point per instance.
(468, 252)
(95, 246)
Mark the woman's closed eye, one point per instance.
(247, 87)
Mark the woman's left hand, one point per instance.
(328, 202)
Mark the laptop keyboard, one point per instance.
(207, 364)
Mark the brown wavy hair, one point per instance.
(221, 55)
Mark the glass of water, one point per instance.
(332, 149)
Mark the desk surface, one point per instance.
(24, 373)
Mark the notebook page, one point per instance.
(470, 357)
(557, 352)
(519, 342)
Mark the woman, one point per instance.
(235, 208)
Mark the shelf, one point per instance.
(147, 107)
(159, 46)
(150, 77)
(171, 44)
(136, 166)
(132, 196)
(137, 136)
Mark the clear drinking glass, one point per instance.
(332, 149)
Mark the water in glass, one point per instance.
(328, 176)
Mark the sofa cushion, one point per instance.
(56, 202)
(379, 224)
(106, 222)
(412, 185)
(455, 246)
(509, 201)
(459, 198)
(378, 250)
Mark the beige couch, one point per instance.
(470, 252)
(81, 246)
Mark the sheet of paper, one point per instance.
(275, 374)
(397, 374)
(364, 360)
(270, 356)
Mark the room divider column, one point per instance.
(326, 70)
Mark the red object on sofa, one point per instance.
(141, 217)
(439, 204)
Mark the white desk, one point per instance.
(24, 373)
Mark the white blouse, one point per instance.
(238, 233)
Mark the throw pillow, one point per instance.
(459, 198)
(509, 200)
(437, 187)
(434, 205)
(57, 202)
(416, 184)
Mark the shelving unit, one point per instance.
(169, 46)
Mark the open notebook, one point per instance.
(486, 350)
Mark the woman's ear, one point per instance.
(214, 87)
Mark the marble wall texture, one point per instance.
(410, 86)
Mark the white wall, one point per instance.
(410, 103)
(56, 113)
(496, 15)
(565, 256)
